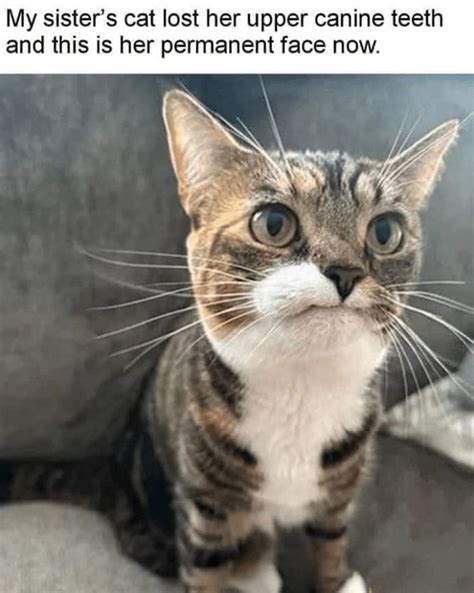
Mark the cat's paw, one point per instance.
(355, 584)
(265, 580)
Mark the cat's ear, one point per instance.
(416, 170)
(200, 147)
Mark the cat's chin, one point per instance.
(315, 332)
(314, 311)
(324, 329)
(323, 318)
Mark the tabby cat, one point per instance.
(261, 415)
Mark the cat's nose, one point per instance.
(344, 278)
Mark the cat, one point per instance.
(261, 415)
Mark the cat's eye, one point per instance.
(385, 234)
(274, 225)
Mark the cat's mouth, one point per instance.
(314, 309)
(317, 315)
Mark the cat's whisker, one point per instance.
(397, 332)
(451, 376)
(188, 283)
(145, 322)
(421, 153)
(398, 171)
(386, 162)
(275, 131)
(155, 343)
(149, 288)
(242, 330)
(398, 188)
(254, 139)
(266, 337)
(150, 348)
(191, 284)
(399, 151)
(438, 299)
(416, 155)
(462, 337)
(177, 293)
(436, 359)
(233, 319)
(419, 353)
(261, 149)
(395, 343)
(121, 263)
(129, 264)
(253, 143)
(164, 337)
(408, 136)
(440, 358)
(250, 140)
(178, 256)
(420, 393)
(432, 353)
(167, 314)
(428, 282)
(390, 161)
(417, 341)
(384, 390)
(143, 287)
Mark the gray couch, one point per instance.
(83, 162)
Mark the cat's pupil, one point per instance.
(383, 230)
(274, 223)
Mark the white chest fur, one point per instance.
(293, 409)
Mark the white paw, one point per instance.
(355, 584)
(264, 580)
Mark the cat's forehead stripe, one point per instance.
(353, 182)
(308, 179)
(365, 187)
(333, 173)
(346, 176)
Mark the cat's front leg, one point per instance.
(328, 546)
(328, 533)
(343, 473)
(222, 551)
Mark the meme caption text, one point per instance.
(235, 36)
(267, 31)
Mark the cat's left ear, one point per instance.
(201, 148)
(416, 170)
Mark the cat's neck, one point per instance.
(269, 368)
(297, 404)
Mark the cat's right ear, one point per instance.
(417, 169)
(200, 147)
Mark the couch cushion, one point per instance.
(83, 162)
(61, 549)
(413, 535)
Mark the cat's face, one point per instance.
(303, 252)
